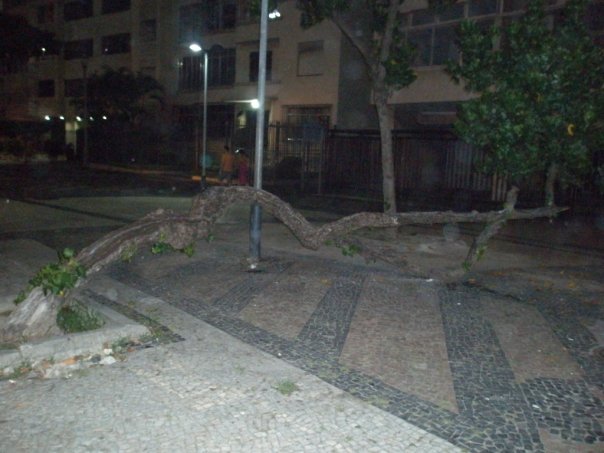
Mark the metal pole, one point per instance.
(85, 75)
(205, 120)
(256, 211)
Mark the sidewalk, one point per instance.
(378, 360)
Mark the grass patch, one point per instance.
(77, 317)
(19, 371)
(287, 387)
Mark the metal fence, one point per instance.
(431, 166)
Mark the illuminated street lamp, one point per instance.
(196, 48)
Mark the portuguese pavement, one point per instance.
(379, 359)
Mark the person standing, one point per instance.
(243, 168)
(227, 166)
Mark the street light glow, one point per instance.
(255, 103)
(275, 14)
(47, 118)
(195, 47)
(78, 118)
(62, 118)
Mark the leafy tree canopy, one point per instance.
(19, 41)
(121, 93)
(541, 92)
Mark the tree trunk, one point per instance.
(550, 181)
(479, 244)
(386, 120)
(36, 316)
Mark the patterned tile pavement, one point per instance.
(483, 368)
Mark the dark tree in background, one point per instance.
(122, 94)
(540, 95)
(125, 107)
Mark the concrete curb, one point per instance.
(62, 347)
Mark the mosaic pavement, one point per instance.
(485, 371)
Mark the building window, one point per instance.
(221, 66)
(190, 75)
(115, 6)
(311, 59)
(433, 35)
(220, 15)
(313, 115)
(221, 119)
(74, 88)
(148, 30)
(198, 19)
(46, 13)
(78, 49)
(221, 69)
(114, 44)
(78, 9)
(255, 65)
(46, 88)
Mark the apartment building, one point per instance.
(314, 75)
(432, 99)
(153, 36)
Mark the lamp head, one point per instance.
(195, 47)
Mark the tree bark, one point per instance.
(479, 244)
(374, 57)
(36, 316)
(386, 119)
(550, 182)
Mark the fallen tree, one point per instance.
(34, 316)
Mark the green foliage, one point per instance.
(541, 93)
(121, 94)
(400, 55)
(162, 246)
(287, 387)
(77, 317)
(56, 278)
(350, 249)
(189, 250)
(128, 253)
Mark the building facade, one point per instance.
(314, 76)
(153, 36)
(431, 100)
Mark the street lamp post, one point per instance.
(255, 210)
(197, 48)
(85, 76)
